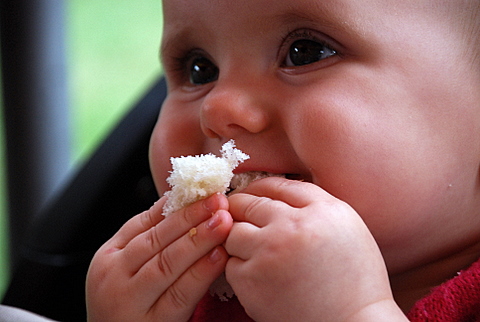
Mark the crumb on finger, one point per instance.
(192, 232)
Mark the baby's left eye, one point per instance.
(306, 51)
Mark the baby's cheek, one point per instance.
(159, 151)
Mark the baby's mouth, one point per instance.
(295, 176)
(241, 180)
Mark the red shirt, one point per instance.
(455, 300)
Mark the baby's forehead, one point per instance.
(183, 12)
(256, 15)
(350, 21)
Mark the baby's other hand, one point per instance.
(158, 268)
(299, 254)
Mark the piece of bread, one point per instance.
(196, 177)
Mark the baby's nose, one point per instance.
(230, 109)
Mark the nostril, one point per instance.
(209, 132)
(210, 122)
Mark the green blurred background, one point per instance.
(112, 56)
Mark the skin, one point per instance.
(384, 134)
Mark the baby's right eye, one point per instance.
(306, 51)
(307, 47)
(202, 71)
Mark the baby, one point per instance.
(372, 106)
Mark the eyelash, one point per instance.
(179, 62)
(296, 35)
(299, 34)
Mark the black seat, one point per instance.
(114, 185)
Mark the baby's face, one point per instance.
(374, 101)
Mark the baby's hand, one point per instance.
(299, 254)
(158, 268)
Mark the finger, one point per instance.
(191, 286)
(265, 199)
(148, 243)
(167, 266)
(238, 268)
(139, 224)
(242, 240)
(256, 210)
(297, 194)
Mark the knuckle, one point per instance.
(196, 275)
(152, 238)
(146, 218)
(178, 297)
(152, 216)
(256, 205)
(189, 213)
(165, 263)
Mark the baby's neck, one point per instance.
(408, 287)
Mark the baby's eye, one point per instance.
(202, 71)
(306, 51)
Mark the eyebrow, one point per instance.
(170, 43)
(321, 16)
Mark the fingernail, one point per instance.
(215, 256)
(214, 222)
(211, 203)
